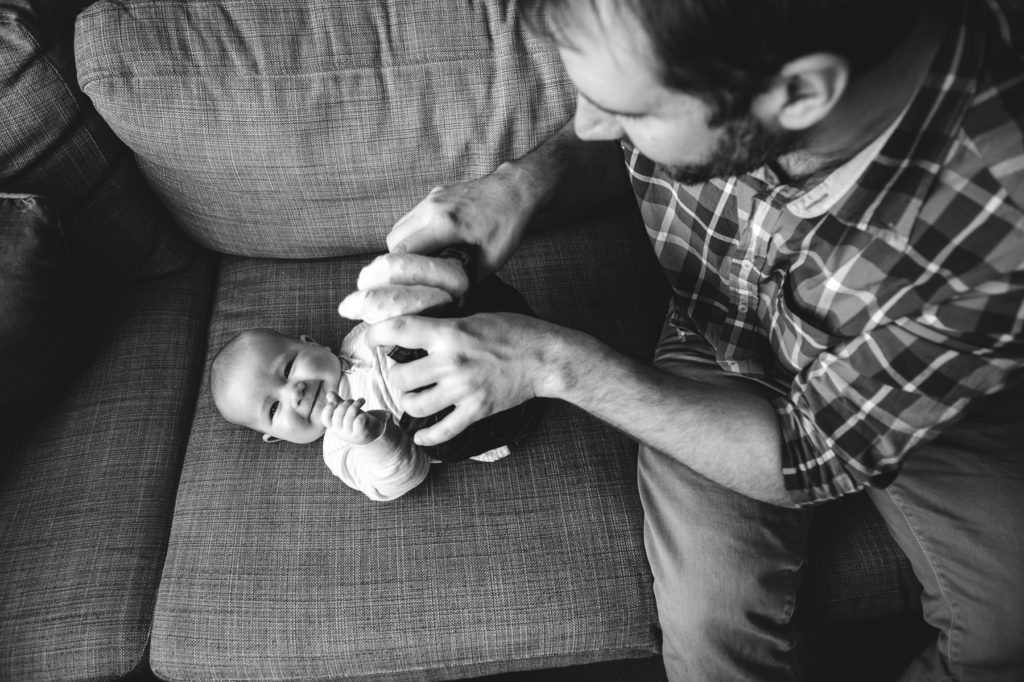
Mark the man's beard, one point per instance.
(745, 145)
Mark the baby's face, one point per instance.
(279, 387)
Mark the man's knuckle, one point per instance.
(483, 404)
(412, 405)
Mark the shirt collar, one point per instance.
(822, 198)
(884, 185)
(892, 187)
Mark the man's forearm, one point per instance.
(729, 436)
(567, 175)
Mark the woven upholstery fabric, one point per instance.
(306, 129)
(54, 144)
(87, 494)
(856, 569)
(276, 570)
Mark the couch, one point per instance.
(174, 171)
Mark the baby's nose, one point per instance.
(298, 391)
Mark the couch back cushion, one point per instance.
(306, 129)
(54, 144)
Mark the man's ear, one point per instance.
(806, 90)
(267, 438)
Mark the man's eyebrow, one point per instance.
(611, 112)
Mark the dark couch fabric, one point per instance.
(38, 302)
(856, 570)
(54, 144)
(87, 495)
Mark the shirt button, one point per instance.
(745, 266)
(743, 307)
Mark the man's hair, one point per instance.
(727, 51)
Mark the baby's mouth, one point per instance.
(312, 406)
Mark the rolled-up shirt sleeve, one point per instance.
(855, 413)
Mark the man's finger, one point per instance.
(431, 400)
(446, 429)
(408, 226)
(409, 331)
(417, 375)
(414, 269)
(413, 239)
(374, 305)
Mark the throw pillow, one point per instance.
(306, 129)
(54, 144)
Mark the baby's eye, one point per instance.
(273, 410)
(288, 368)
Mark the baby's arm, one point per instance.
(369, 452)
(346, 417)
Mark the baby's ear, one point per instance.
(267, 438)
(306, 338)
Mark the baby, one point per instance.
(297, 390)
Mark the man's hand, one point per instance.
(563, 175)
(491, 212)
(481, 364)
(347, 419)
(408, 269)
(374, 305)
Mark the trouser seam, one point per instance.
(953, 653)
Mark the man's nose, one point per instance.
(593, 124)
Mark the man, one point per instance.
(836, 190)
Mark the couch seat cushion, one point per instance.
(856, 569)
(306, 129)
(276, 570)
(88, 487)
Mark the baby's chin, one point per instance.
(305, 440)
(309, 437)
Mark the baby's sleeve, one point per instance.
(384, 469)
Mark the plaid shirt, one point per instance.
(881, 319)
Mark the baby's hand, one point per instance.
(346, 417)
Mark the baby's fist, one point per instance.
(350, 422)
